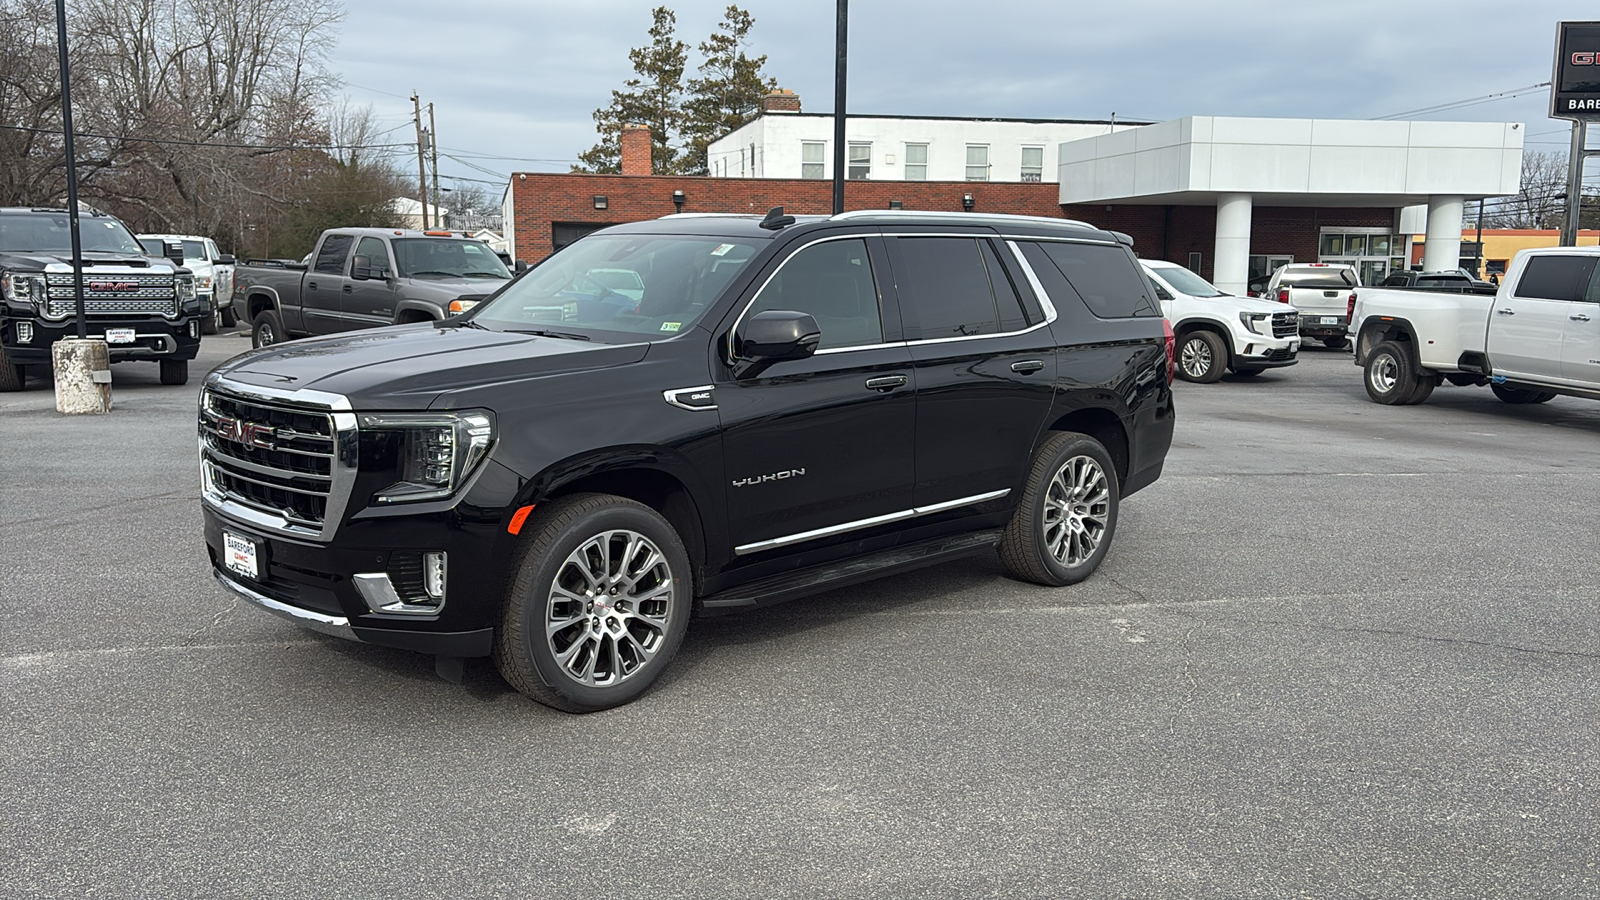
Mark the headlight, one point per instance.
(435, 452)
(461, 306)
(203, 281)
(1253, 320)
(24, 288)
(185, 286)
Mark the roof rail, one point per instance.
(958, 216)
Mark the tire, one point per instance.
(12, 375)
(1247, 371)
(1202, 357)
(1424, 389)
(1045, 539)
(1521, 395)
(229, 318)
(211, 324)
(1336, 343)
(174, 371)
(267, 329)
(1390, 375)
(579, 668)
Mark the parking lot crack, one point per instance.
(1465, 642)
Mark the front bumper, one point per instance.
(155, 337)
(1254, 351)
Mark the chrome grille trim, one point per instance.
(153, 294)
(1285, 324)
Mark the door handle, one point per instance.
(349, 290)
(1027, 366)
(886, 383)
(1580, 317)
(311, 285)
(1506, 311)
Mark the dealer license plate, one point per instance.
(1294, 346)
(239, 553)
(119, 335)
(1330, 320)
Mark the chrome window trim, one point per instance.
(858, 524)
(1045, 302)
(338, 626)
(1059, 240)
(774, 274)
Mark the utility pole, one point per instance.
(841, 57)
(422, 166)
(433, 146)
(72, 168)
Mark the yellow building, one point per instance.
(1500, 244)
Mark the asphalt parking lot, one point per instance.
(1339, 650)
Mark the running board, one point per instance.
(790, 585)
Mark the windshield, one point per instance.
(447, 258)
(630, 283)
(1186, 282)
(50, 233)
(1318, 278)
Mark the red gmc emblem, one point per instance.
(113, 286)
(1585, 58)
(249, 433)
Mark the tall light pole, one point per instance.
(72, 168)
(841, 55)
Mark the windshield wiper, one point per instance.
(432, 272)
(543, 332)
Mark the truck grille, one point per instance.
(272, 457)
(112, 294)
(1285, 324)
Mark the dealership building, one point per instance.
(1232, 198)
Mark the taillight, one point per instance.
(1350, 308)
(1172, 350)
(1283, 295)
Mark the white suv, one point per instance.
(1217, 331)
(213, 273)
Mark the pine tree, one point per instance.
(728, 92)
(654, 98)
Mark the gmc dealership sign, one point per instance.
(1575, 84)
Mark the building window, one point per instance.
(812, 154)
(977, 162)
(860, 167)
(1195, 260)
(916, 162)
(1032, 163)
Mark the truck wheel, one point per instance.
(1336, 343)
(174, 371)
(12, 375)
(1520, 395)
(1202, 357)
(598, 604)
(1424, 389)
(229, 319)
(1391, 378)
(1063, 525)
(267, 329)
(209, 325)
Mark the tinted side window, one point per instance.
(944, 287)
(833, 282)
(1006, 301)
(330, 256)
(376, 253)
(1106, 277)
(1556, 277)
(1061, 293)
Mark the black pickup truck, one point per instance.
(145, 307)
(563, 476)
(1444, 282)
(365, 278)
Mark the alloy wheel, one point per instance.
(1077, 510)
(1196, 358)
(608, 610)
(1384, 374)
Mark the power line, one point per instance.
(178, 143)
(1470, 101)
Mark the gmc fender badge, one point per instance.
(694, 399)
(775, 476)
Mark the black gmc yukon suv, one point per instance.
(691, 415)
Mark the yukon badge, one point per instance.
(775, 476)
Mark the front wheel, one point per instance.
(598, 605)
(174, 371)
(267, 329)
(229, 319)
(1202, 357)
(211, 324)
(12, 375)
(1521, 395)
(1063, 525)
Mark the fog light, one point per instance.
(1248, 350)
(24, 332)
(194, 328)
(433, 574)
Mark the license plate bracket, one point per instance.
(242, 555)
(1330, 320)
(120, 335)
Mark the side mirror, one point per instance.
(174, 252)
(771, 336)
(360, 268)
(521, 267)
(226, 260)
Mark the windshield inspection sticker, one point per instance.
(722, 250)
(671, 326)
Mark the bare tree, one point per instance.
(1539, 203)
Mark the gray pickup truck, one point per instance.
(365, 278)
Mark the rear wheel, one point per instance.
(174, 371)
(598, 605)
(1063, 525)
(1391, 377)
(1202, 356)
(267, 329)
(1521, 395)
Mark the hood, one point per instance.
(451, 288)
(37, 260)
(1252, 304)
(405, 367)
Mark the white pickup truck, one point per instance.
(1536, 338)
(1217, 331)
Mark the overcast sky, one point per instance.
(514, 82)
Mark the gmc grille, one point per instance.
(271, 457)
(1285, 324)
(116, 294)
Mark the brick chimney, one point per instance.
(636, 150)
(780, 100)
